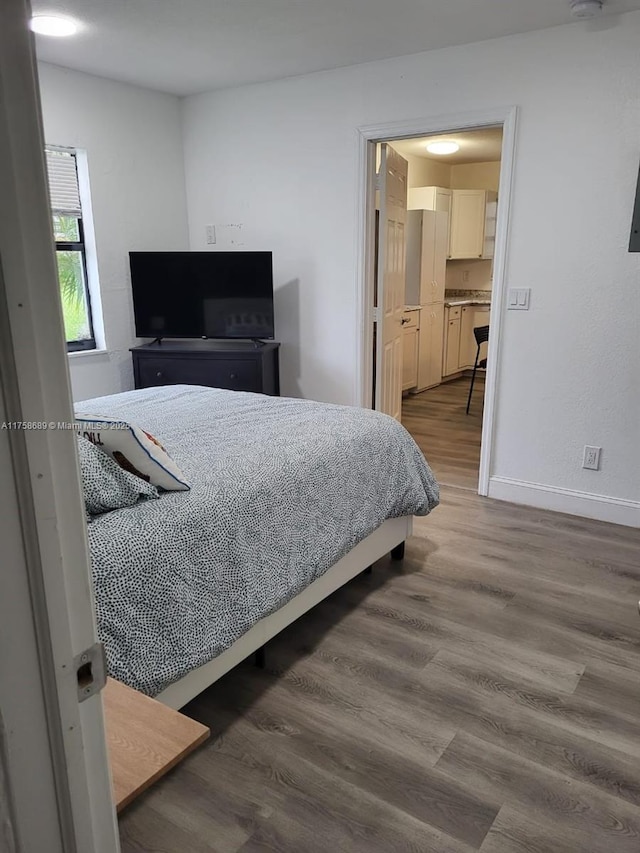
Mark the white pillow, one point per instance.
(134, 450)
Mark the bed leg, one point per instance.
(368, 570)
(259, 658)
(397, 553)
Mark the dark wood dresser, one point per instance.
(235, 365)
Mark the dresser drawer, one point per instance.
(232, 374)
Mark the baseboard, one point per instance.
(600, 507)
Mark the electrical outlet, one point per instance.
(465, 276)
(210, 231)
(591, 458)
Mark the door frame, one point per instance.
(367, 137)
(54, 766)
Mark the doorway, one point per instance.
(454, 235)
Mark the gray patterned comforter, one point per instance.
(280, 490)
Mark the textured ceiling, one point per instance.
(476, 146)
(189, 46)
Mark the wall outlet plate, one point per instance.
(591, 458)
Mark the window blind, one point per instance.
(63, 182)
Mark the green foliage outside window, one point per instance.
(71, 277)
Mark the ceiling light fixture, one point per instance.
(586, 8)
(51, 25)
(443, 147)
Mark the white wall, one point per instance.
(427, 172)
(281, 158)
(475, 176)
(134, 147)
(424, 172)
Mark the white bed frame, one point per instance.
(391, 533)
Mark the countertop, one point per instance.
(451, 302)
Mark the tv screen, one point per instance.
(202, 294)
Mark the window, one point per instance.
(68, 230)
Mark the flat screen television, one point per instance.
(202, 294)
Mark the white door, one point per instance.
(53, 762)
(390, 281)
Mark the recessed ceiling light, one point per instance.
(443, 147)
(51, 25)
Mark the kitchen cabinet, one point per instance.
(410, 331)
(429, 198)
(472, 316)
(472, 224)
(430, 339)
(426, 266)
(432, 198)
(459, 347)
(426, 262)
(490, 221)
(451, 349)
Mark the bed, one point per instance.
(289, 499)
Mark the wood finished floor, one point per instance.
(482, 695)
(448, 437)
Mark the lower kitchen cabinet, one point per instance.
(410, 332)
(459, 350)
(452, 342)
(430, 346)
(438, 342)
(422, 336)
(472, 317)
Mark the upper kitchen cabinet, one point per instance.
(429, 198)
(427, 240)
(472, 226)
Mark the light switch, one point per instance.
(519, 298)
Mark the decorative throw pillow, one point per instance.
(105, 485)
(134, 450)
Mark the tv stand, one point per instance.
(238, 365)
